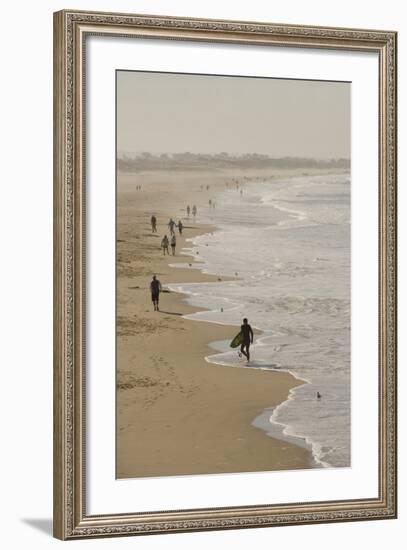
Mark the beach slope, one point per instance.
(177, 414)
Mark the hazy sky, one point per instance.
(174, 113)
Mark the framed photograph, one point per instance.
(225, 274)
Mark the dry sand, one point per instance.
(176, 413)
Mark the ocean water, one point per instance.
(287, 242)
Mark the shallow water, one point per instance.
(288, 243)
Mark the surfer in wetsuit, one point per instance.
(247, 338)
(155, 287)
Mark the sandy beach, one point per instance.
(176, 413)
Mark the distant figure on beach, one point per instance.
(153, 224)
(188, 210)
(155, 288)
(171, 225)
(247, 338)
(194, 211)
(164, 244)
(210, 202)
(207, 187)
(173, 244)
(180, 227)
(241, 192)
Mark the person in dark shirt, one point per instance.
(247, 334)
(173, 244)
(155, 287)
(171, 225)
(164, 244)
(153, 224)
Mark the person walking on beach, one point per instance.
(247, 338)
(188, 210)
(173, 244)
(180, 227)
(194, 211)
(155, 288)
(153, 224)
(164, 245)
(171, 225)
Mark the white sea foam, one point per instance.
(288, 244)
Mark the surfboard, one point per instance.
(237, 340)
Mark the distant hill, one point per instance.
(194, 161)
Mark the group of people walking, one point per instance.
(194, 211)
(245, 337)
(165, 241)
(172, 225)
(172, 241)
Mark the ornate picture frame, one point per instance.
(71, 517)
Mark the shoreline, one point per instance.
(264, 421)
(197, 414)
(281, 418)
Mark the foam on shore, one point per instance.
(299, 298)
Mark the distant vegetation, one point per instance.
(194, 161)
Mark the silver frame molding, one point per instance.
(70, 518)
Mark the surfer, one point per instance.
(180, 227)
(247, 338)
(155, 287)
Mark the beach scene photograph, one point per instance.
(233, 274)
